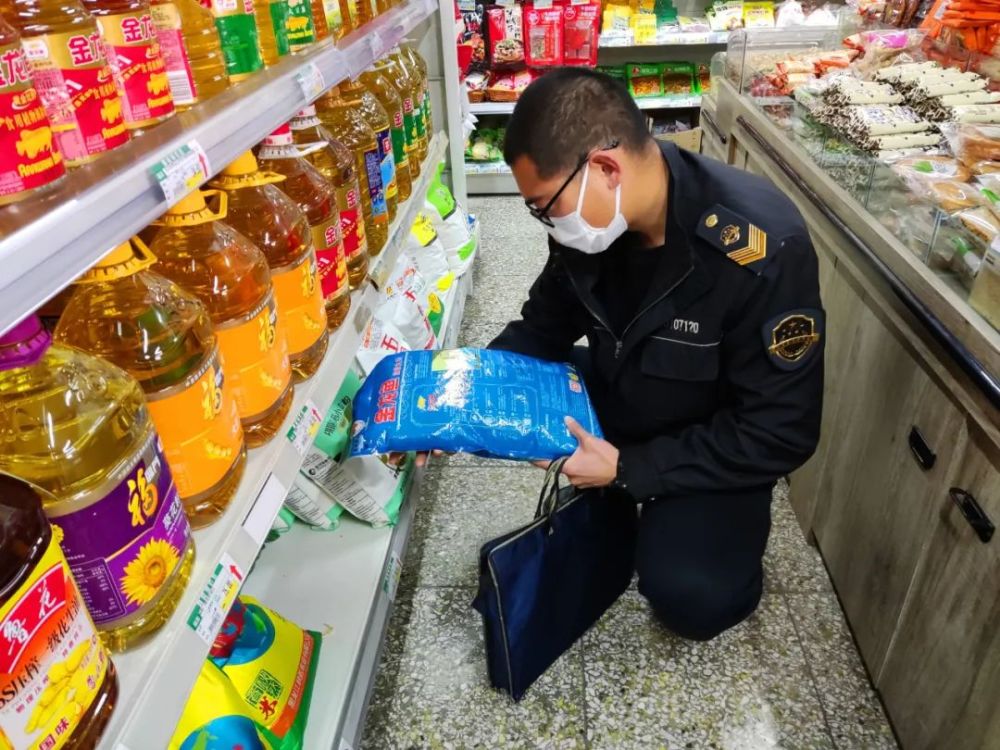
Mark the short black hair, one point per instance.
(569, 112)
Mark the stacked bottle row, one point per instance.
(79, 78)
(129, 424)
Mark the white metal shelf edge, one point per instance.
(658, 102)
(156, 677)
(46, 243)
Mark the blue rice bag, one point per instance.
(483, 401)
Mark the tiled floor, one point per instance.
(789, 677)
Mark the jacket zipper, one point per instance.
(619, 342)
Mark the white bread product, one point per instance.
(976, 113)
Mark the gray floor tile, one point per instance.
(480, 333)
(472, 506)
(435, 692)
(498, 300)
(518, 252)
(853, 710)
(791, 563)
(747, 689)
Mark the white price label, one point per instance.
(181, 171)
(393, 570)
(261, 516)
(218, 596)
(304, 428)
(362, 316)
(311, 81)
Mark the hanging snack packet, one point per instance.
(543, 29)
(216, 717)
(506, 41)
(368, 487)
(451, 224)
(272, 664)
(645, 80)
(491, 403)
(424, 249)
(581, 29)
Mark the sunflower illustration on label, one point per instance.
(126, 545)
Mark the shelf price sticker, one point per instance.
(303, 430)
(310, 80)
(216, 599)
(393, 570)
(181, 171)
(265, 509)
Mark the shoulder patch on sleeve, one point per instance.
(792, 338)
(742, 242)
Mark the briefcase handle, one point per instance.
(549, 495)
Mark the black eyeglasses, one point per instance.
(542, 214)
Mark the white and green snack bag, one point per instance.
(424, 249)
(451, 224)
(306, 499)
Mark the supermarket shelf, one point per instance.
(156, 677)
(47, 242)
(497, 181)
(343, 584)
(625, 39)
(382, 265)
(653, 102)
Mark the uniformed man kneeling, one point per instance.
(695, 285)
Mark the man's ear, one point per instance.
(610, 167)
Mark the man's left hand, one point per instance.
(593, 464)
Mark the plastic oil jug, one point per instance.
(306, 23)
(409, 92)
(30, 161)
(418, 66)
(229, 274)
(272, 29)
(318, 201)
(349, 126)
(418, 86)
(78, 427)
(133, 52)
(189, 43)
(77, 87)
(272, 221)
(367, 105)
(57, 680)
(335, 162)
(378, 84)
(162, 336)
(239, 38)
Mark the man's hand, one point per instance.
(593, 464)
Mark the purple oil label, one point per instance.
(376, 190)
(125, 546)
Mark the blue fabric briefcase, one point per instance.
(543, 585)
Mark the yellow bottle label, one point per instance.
(255, 359)
(51, 661)
(330, 256)
(300, 303)
(199, 426)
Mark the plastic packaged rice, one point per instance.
(216, 717)
(424, 250)
(271, 663)
(481, 401)
(451, 224)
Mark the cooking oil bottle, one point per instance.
(229, 274)
(76, 85)
(378, 120)
(162, 336)
(56, 653)
(335, 162)
(239, 38)
(272, 29)
(78, 427)
(419, 92)
(419, 65)
(272, 221)
(133, 52)
(409, 93)
(30, 162)
(304, 25)
(378, 84)
(191, 50)
(349, 126)
(362, 12)
(317, 200)
(337, 23)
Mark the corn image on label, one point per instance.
(51, 660)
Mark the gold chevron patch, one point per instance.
(756, 247)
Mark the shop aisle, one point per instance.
(789, 677)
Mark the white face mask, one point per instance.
(572, 230)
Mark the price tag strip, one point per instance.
(181, 171)
(304, 428)
(261, 516)
(218, 596)
(310, 80)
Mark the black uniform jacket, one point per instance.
(716, 384)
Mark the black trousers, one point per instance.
(698, 556)
(699, 559)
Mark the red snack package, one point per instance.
(581, 28)
(543, 36)
(506, 43)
